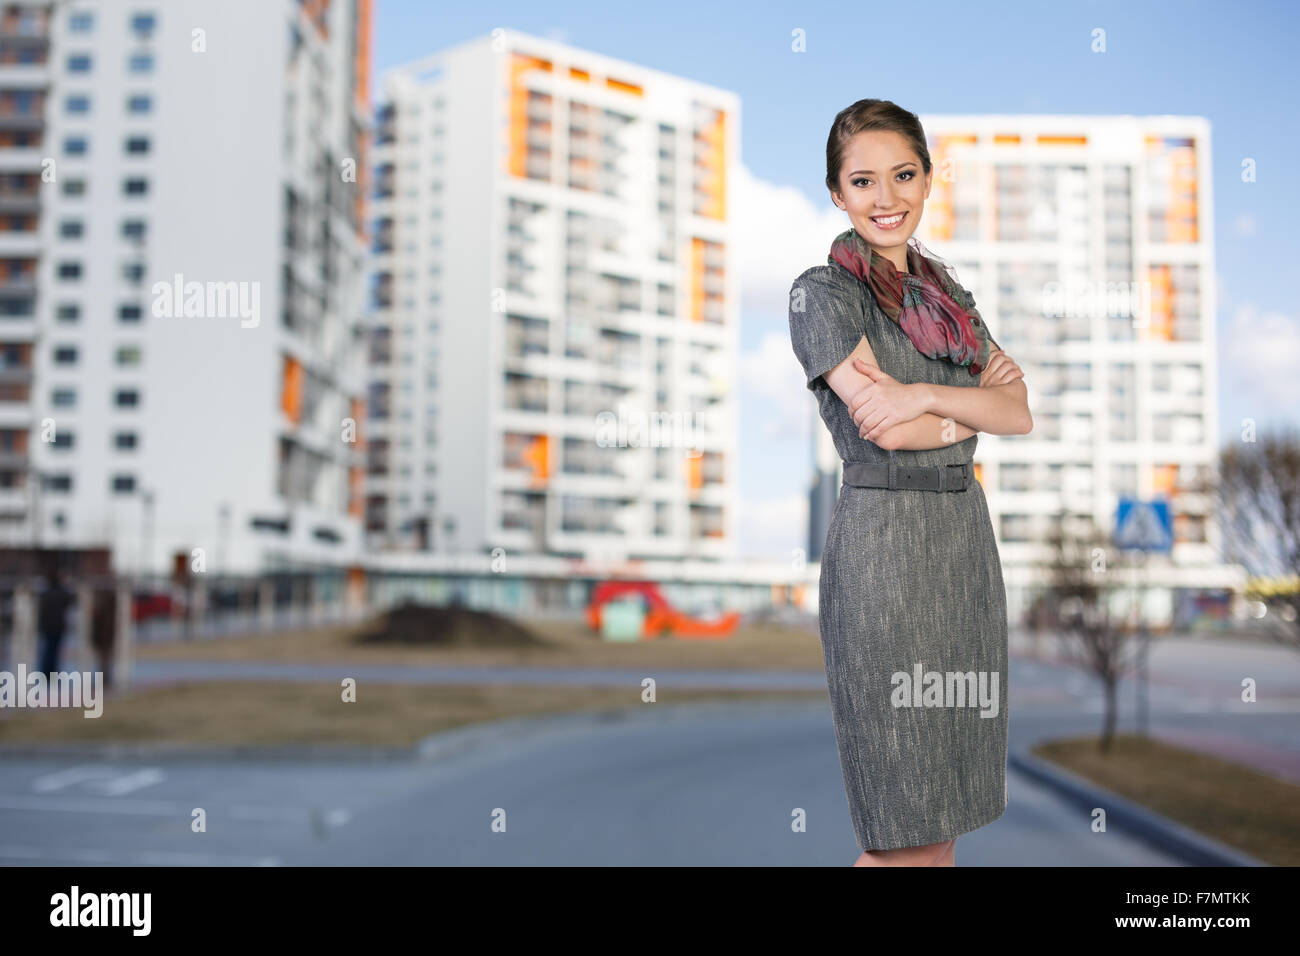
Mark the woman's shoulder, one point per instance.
(830, 273)
(827, 281)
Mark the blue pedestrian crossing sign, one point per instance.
(1143, 525)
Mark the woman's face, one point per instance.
(881, 177)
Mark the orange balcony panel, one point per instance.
(1051, 140)
(361, 56)
(583, 76)
(1164, 479)
(624, 87)
(291, 391)
(538, 456)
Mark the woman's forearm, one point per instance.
(996, 409)
(925, 432)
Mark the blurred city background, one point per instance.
(440, 357)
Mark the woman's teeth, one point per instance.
(889, 223)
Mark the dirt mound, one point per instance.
(447, 626)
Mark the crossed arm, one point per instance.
(937, 415)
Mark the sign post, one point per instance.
(1143, 526)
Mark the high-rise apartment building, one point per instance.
(184, 204)
(1088, 244)
(554, 307)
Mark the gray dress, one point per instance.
(908, 578)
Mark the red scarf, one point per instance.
(926, 302)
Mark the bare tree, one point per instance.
(1078, 606)
(1257, 498)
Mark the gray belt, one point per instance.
(864, 474)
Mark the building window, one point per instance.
(133, 271)
(139, 103)
(123, 484)
(65, 355)
(76, 146)
(77, 104)
(135, 187)
(63, 397)
(68, 312)
(140, 63)
(142, 25)
(137, 145)
(64, 439)
(78, 62)
(125, 441)
(128, 313)
(128, 355)
(71, 229)
(69, 270)
(74, 187)
(126, 398)
(133, 228)
(58, 482)
(83, 21)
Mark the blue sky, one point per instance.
(1232, 63)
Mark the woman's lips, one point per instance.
(898, 217)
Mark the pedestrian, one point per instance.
(103, 631)
(52, 620)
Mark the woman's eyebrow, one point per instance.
(871, 172)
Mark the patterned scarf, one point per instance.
(926, 302)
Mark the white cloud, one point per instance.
(1257, 362)
(779, 233)
(771, 376)
(774, 528)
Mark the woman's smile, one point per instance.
(888, 223)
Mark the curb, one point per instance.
(1196, 849)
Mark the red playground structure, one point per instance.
(661, 617)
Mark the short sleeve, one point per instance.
(826, 321)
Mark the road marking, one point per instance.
(128, 783)
(108, 780)
(66, 778)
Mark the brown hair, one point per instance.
(871, 115)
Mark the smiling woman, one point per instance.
(905, 373)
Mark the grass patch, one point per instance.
(1236, 805)
(560, 644)
(268, 713)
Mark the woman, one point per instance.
(913, 612)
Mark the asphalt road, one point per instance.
(683, 785)
(664, 785)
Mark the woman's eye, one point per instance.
(907, 172)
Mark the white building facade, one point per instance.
(555, 308)
(196, 376)
(1088, 243)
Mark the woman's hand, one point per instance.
(885, 402)
(1001, 369)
